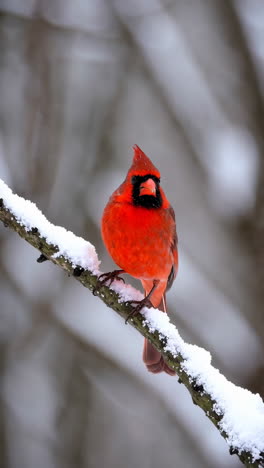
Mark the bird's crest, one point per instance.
(142, 165)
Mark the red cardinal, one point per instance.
(139, 232)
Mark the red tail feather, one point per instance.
(152, 357)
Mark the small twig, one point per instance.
(42, 258)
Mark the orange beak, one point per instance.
(147, 188)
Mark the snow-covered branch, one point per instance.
(236, 412)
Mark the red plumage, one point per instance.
(139, 232)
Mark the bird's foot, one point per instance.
(105, 277)
(138, 307)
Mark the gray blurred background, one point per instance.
(80, 83)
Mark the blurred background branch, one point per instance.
(81, 82)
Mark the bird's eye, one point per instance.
(133, 179)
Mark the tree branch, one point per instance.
(174, 356)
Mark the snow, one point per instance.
(242, 412)
(126, 292)
(75, 249)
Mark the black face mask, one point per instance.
(146, 201)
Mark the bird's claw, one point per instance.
(105, 277)
(138, 307)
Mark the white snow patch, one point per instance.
(126, 292)
(242, 411)
(75, 249)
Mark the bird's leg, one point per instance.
(111, 276)
(146, 302)
(105, 277)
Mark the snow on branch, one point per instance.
(236, 412)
